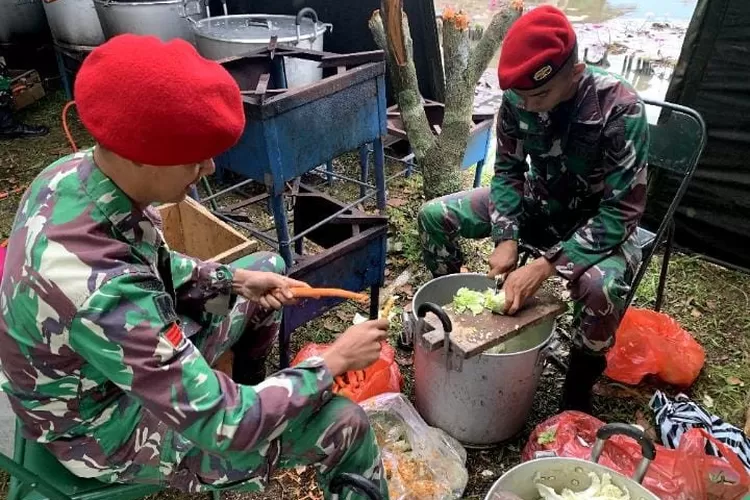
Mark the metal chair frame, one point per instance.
(665, 232)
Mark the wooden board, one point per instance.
(192, 229)
(472, 335)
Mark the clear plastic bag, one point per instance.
(421, 462)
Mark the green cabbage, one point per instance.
(600, 489)
(476, 302)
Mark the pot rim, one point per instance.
(107, 3)
(541, 345)
(320, 29)
(589, 465)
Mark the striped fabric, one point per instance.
(674, 418)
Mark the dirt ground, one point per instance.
(709, 301)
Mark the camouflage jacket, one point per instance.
(87, 328)
(585, 184)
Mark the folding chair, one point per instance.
(677, 143)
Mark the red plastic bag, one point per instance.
(686, 473)
(378, 378)
(652, 343)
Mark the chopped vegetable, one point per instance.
(495, 302)
(468, 299)
(600, 489)
(547, 437)
(477, 302)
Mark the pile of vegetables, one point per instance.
(600, 489)
(476, 302)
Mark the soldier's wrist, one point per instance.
(334, 362)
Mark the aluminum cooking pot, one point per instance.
(236, 35)
(572, 473)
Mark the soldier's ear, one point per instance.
(578, 69)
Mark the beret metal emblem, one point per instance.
(543, 73)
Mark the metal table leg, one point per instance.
(478, 174)
(379, 172)
(63, 74)
(282, 228)
(364, 162)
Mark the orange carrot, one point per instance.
(316, 293)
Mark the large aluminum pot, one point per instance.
(21, 20)
(489, 398)
(74, 22)
(236, 35)
(572, 473)
(167, 19)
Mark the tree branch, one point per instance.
(406, 85)
(492, 38)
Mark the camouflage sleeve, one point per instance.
(621, 178)
(127, 331)
(202, 286)
(506, 188)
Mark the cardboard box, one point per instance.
(27, 88)
(193, 230)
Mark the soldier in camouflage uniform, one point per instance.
(108, 337)
(9, 127)
(578, 201)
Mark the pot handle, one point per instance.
(435, 309)
(304, 12)
(648, 450)
(183, 9)
(355, 482)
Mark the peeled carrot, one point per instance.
(316, 293)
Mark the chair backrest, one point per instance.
(678, 139)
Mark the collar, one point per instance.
(137, 227)
(586, 109)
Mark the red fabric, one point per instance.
(174, 335)
(535, 48)
(158, 103)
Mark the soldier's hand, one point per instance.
(524, 282)
(356, 348)
(504, 259)
(270, 290)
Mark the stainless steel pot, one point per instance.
(487, 399)
(167, 19)
(21, 20)
(572, 473)
(74, 22)
(236, 35)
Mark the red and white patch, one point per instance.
(175, 336)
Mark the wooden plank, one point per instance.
(472, 335)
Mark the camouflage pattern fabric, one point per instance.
(5, 94)
(107, 339)
(580, 198)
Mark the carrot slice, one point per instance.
(316, 293)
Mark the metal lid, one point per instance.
(259, 28)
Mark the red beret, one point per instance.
(536, 46)
(158, 103)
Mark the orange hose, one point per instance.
(316, 293)
(65, 126)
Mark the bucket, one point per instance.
(489, 398)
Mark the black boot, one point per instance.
(12, 129)
(247, 371)
(584, 369)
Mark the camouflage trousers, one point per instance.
(338, 438)
(598, 295)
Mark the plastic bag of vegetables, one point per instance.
(421, 462)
